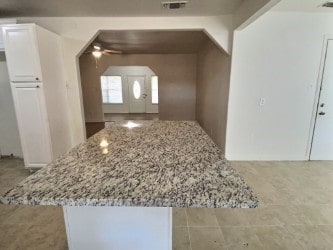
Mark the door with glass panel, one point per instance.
(137, 95)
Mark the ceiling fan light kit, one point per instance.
(97, 53)
(97, 46)
(99, 49)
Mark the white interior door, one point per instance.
(137, 94)
(322, 145)
(33, 125)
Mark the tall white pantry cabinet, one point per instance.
(35, 65)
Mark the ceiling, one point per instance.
(106, 8)
(302, 6)
(152, 42)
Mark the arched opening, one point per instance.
(193, 79)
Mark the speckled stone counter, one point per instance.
(156, 164)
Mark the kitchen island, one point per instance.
(118, 187)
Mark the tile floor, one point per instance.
(296, 212)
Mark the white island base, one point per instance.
(118, 228)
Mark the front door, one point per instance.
(322, 145)
(137, 94)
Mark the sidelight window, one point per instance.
(154, 90)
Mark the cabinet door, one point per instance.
(33, 124)
(22, 53)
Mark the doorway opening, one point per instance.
(129, 93)
(188, 79)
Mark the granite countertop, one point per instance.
(159, 163)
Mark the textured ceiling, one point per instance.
(105, 8)
(152, 42)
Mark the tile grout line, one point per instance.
(188, 229)
(220, 228)
(290, 233)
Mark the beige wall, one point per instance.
(177, 83)
(212, 92)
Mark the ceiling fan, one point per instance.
(97, 49)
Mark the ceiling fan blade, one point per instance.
(86, 52)
(113, 51)
(106, 53)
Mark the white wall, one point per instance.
(9, 134)
(78, 31)
(276, 57)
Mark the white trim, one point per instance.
(68, 230)
(317, 93)
(259, 157)
(170, 227)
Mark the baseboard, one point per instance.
(258, 157)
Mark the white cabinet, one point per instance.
(36, 71)
(4, 22)
(33, 124)
(21, 40)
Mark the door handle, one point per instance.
(321, 113)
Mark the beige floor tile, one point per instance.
(327, 212)
(231, 217)
(201, 217)
(264, 216)
(6, 211)
(7, 183)
(301, 212)
(275, 237)
(15, 173)
(310, 196)
(206, 238)
(11, 163)
(241, 238)
(258, 181)
(327, 231)
(36, 215)
(313, 237)
(179, 217)
(180, 238)
(291, 215)
(317, 214)
(8, 235)
(276, 197)
(41, 237)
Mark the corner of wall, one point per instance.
(251, 10)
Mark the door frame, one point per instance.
(319, 83)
